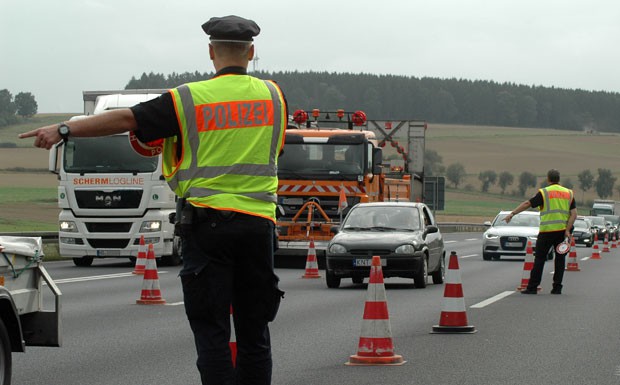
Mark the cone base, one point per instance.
(393, 360)
(310, 276)
(150, 301)
(572, 269)
(469, 329)
(139, 272)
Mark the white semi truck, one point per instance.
(110, 195)
(23, 320)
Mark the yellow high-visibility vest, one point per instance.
(232, 129)
(556, 208)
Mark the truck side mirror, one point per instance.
(53, 158)
(377, 159)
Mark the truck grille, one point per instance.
(108, 227)
(117, 199)
(108, 243)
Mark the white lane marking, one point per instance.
(98, 277)
(473, 239)
(469, 256)
(491, 300)
(449, 242)
(585, 258)
(175, 303)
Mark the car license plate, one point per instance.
(367, 262)
(108, 253)
(514, 244)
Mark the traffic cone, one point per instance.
(572, 264)
(595, 253)
(375, 344)
(233, 339)
(453, 318)
(141, 259)
(528, 265)
(151, 295)
(613, 242)
(606, 244)
(312, 266)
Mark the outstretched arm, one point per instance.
(108, 123)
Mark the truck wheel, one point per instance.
(83, 262)
(5, 356)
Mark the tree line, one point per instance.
(476, 102)
(12, 109)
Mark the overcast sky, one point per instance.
(57, 49)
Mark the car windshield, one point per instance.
(581, 224)
(523, 220)
(598, 221)
(382, 218)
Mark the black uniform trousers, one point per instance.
(234, 253)
(544, 243)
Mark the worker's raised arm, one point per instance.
(108, 123)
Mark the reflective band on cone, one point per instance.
(528, 265)
(606, 245)
(453, 318)
(572, 264)
(141, 259)
(312, 267)
(595, 253)
(151, 295)
(375, 344)
(613, 242)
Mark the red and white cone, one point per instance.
(572, 264)
(606, 244)
(141, 259)
(232, 344)
(375, 344)
(312, 266)
(528, 265)
(453, 318)
(150, 295)
(595, 253)
(613, 242)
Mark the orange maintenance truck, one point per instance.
(332, 161)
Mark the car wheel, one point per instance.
(332, 281)
(357, 280)
(439, 274)
(83, 262)
(486, 256)
(419, 280)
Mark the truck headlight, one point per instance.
(404, 249)
(150, 226)
(337, 249)
(68, 226)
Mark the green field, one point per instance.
(9, 134)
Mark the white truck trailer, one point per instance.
(109, 194)
(23, 321)
(605, 207)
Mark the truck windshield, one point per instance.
(110, 154)
(321, 160)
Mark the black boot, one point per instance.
(557, 288)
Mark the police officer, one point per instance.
(222, 138)
(557, 215)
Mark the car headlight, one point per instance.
(404, 249)
(68, 226)
(532, 237)
(150, 226)
(337, 249)
(491, 236)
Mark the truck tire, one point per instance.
(5, 356)
(83, 261)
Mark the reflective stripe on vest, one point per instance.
(556, 208)
(197, 181)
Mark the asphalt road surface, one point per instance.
(573, 338)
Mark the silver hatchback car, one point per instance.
(510, 239)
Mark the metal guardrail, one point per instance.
(445, 227)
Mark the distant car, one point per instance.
(614, 225)
(582, 232)
(403, 234)
(599, 226)
(510, 239)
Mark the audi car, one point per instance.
(404, 234)
(510, 239)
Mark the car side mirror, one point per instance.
(430, 229)
(487, 223)
(334, 229)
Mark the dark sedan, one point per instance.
(403, 234)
